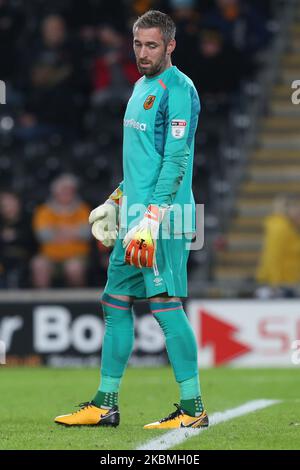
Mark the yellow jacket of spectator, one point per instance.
(48, 220)
(280, 259)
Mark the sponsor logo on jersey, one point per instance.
(141, 126)
(149, 102)
(178, 127)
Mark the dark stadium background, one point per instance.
(66, 72)
(68, 69)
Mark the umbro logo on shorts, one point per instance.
(157, 281)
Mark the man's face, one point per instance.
(65, 193)
(150, 51)
(54, 30)
(9, 206)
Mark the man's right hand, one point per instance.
(104, 220)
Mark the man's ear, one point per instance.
(171, 46)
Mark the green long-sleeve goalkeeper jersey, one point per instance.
(158, 148)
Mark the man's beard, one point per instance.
(152, 70)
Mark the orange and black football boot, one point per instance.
(180, 419)
(91, 415)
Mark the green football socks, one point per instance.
(105, 399)
(182, 351)
(190, 396)
(107, 394)
(118, 343)
(116, 349)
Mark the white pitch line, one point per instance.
(176, 437)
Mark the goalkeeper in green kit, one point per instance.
(151, 239)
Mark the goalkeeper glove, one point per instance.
(140, 241)
(104, 219)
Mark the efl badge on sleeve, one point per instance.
(149, 102)
(178, 127)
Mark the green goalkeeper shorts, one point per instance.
(171, 256)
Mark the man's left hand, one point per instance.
(140, 241)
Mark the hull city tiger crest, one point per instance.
(149, 101)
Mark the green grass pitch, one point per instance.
(31, 398)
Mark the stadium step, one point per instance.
(234, 274)
(285, 108)
(277, 166)
(259, 189)
(247, 223)
(257, 207)
(295, 29)
(289, 76)
(282, 163)
(274, 173)
(295, 44)
(289, 140)
(292, 68)
(282, 91)
(281, 124)
(243, 241)
(238, 258)
(290, 60)
(276, 155)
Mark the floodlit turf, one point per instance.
(31, 398)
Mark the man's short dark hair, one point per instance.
(157, 19)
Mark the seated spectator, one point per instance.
(114, 69)
(279, 265)
(217, 69)
(11, 25)
(241, 24)
(85, 15)
(16, 242)
(51, 84)
(62, 229)
(187, 19)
